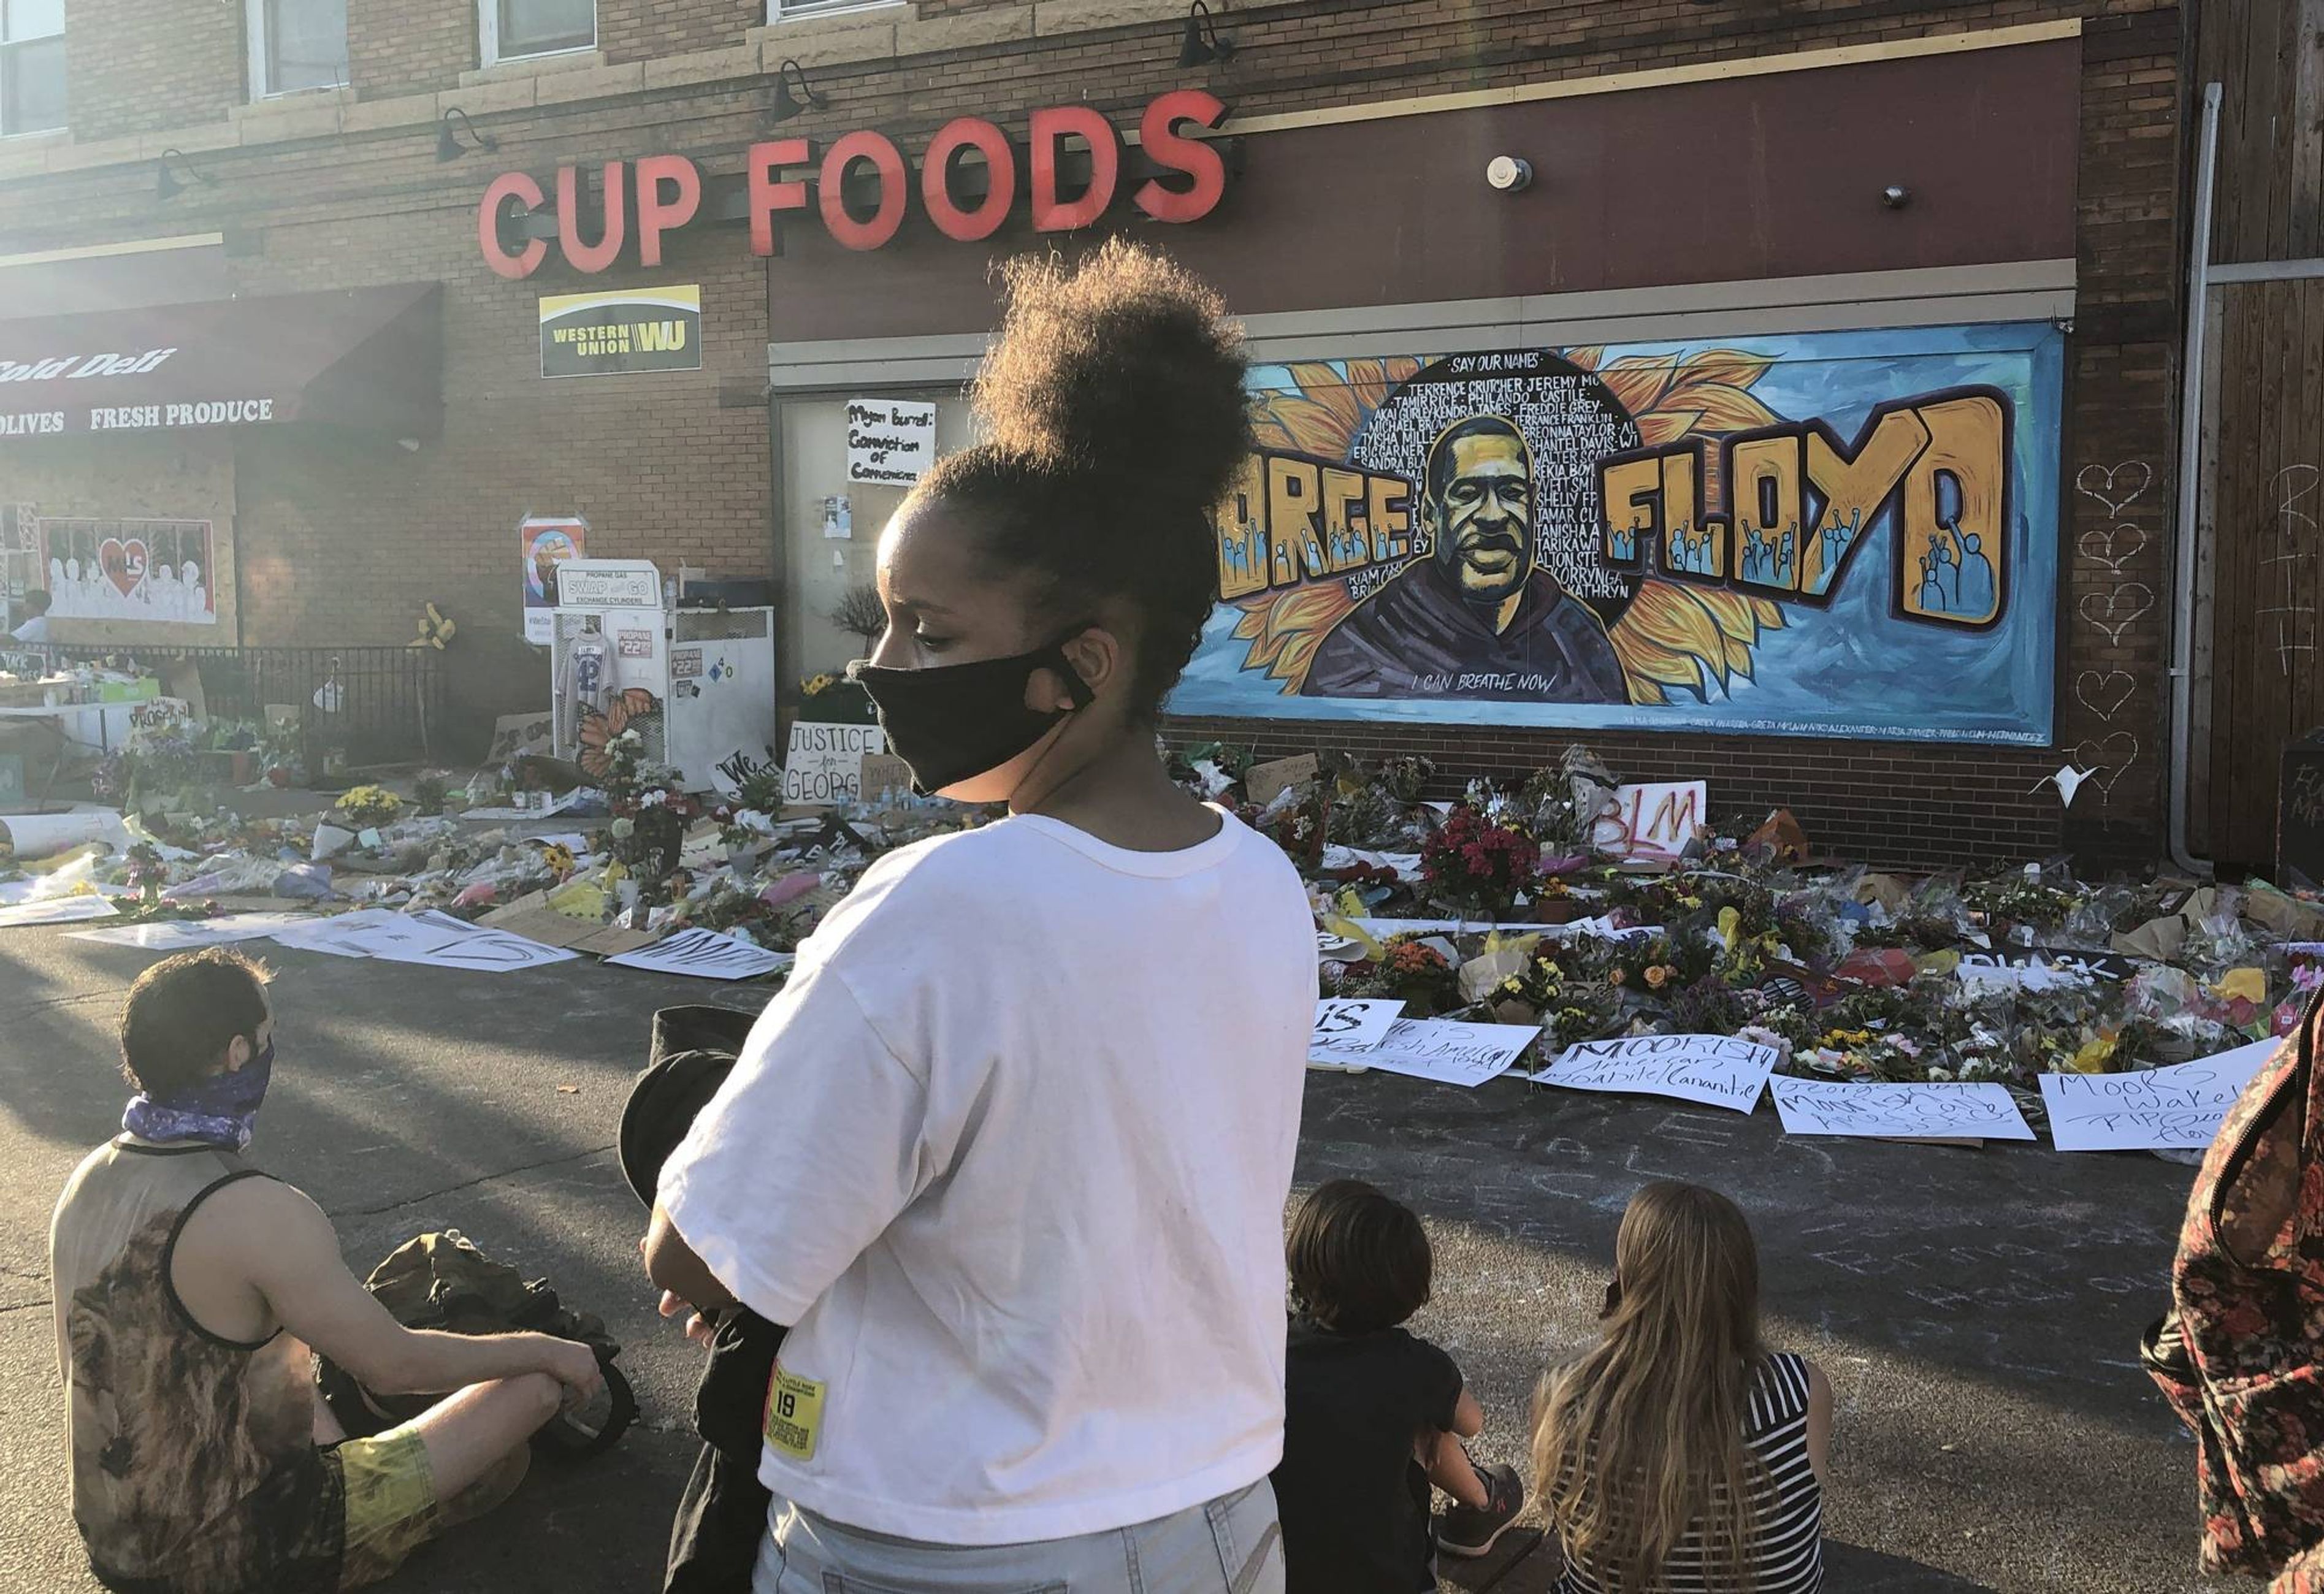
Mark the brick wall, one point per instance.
(643, 30)
(133, 66)
(347, 543)
(409, 46)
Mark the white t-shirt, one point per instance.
(1010, 1152)
(35, 629)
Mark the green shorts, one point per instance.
(390, 1502)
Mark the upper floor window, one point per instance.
(778, 10)
(32, 65)
(514, 28)
(297, 44)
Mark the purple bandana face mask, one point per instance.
(221, 1111)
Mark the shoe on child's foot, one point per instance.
(1470, 1532)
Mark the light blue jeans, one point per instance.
(1233, 1545)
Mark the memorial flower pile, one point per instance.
(1477, 862)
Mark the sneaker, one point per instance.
(1468, 1532)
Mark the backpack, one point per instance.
(2240, 1355)
(441, 1281)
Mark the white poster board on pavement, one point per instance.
(1715, 1070)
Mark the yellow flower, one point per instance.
(1617, 977)
(1657, 976)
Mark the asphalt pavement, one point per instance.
(1977, 1311)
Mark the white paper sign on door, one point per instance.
(2178, 1107)
(1715, 1070)
(1439, 1049)
(890, 442)
(1979, 1111)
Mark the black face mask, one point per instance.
(954, 721)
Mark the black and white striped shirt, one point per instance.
(1786, 1550)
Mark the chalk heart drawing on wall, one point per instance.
(2116, 486)
(2102, 545)
(2111, 612)
(1835, 534)
(2117, 612)
(2104, 692)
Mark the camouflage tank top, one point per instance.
(194, 1465)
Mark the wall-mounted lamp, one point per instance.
(1896, 196)
(456, 122)
(788, 104)
(1509, 174)
(166, 185)
(1204, 43)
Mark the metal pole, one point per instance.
(2190, 462)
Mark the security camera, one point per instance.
(1508, 173)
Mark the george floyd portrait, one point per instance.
(1478, 616)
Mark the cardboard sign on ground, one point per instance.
(532, 917)
(1263, 783)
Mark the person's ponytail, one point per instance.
(1115, 420)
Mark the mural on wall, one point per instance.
(138, 570)
(1845, 534)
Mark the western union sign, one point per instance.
(613, 334)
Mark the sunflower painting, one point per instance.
(1548, 536)
(1659, 638)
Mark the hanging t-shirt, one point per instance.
(1010, 1151)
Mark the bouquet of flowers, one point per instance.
(1480, 863)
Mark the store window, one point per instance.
(297, 45)
(32, 65)
(514, 29)
(830, 530)
(790, 10)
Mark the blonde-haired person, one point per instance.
(1681, 1456)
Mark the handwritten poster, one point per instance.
(1715, 1070)
(2179, 1106)
(889, 443)
(1349, 1024)
(705, 954)
(1981, 1112)
(826, 761)
(2034, 968)
(1438, 1049)
(1652, 822)
(439, 941)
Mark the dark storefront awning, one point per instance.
(366, 358)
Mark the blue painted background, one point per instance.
(1853, 669)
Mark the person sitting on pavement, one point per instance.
(1680, 1455)
(1373, 1415)
(1010, 1152)
(191, 1290)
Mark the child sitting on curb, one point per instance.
(1373, 1415)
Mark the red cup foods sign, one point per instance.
(660, 193)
